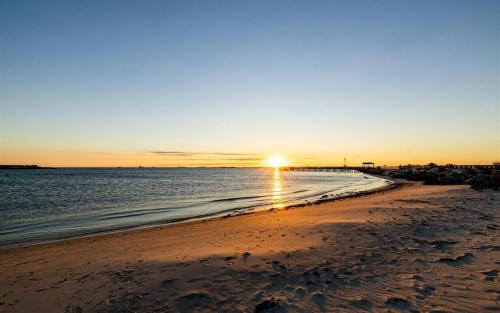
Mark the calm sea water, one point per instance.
(51, 204)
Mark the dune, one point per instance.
(416, 248)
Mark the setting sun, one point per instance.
(276, 161)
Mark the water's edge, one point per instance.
(211, 216)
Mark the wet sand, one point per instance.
(412, 249)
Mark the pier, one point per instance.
(334, 169)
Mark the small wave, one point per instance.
(300, 191)
(237, 198)
(118, 215)
(258, 197)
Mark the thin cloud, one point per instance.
(225, 159)
(244, 159)
(187, 153)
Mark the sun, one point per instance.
(276, 161)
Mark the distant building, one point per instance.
(368, 164)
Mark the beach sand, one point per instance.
(415, 248)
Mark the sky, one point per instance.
(229, 83)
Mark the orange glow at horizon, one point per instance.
(115, 158)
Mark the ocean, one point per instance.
(51, 204)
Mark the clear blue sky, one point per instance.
(112, 82)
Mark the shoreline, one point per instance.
(213, 216)
(413, 247)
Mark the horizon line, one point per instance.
(215, 167)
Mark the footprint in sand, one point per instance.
(276, 265)
(245, 256)
(457, 260)
(274, 305)
(318, 298)
(195, 299)
(167, 283)
(425, 291)
(361, 304)
(299, 293)
(398, 303)
(490, 275)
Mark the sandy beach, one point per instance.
(249, 156)
(416, 248)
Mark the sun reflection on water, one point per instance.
(277, 189)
